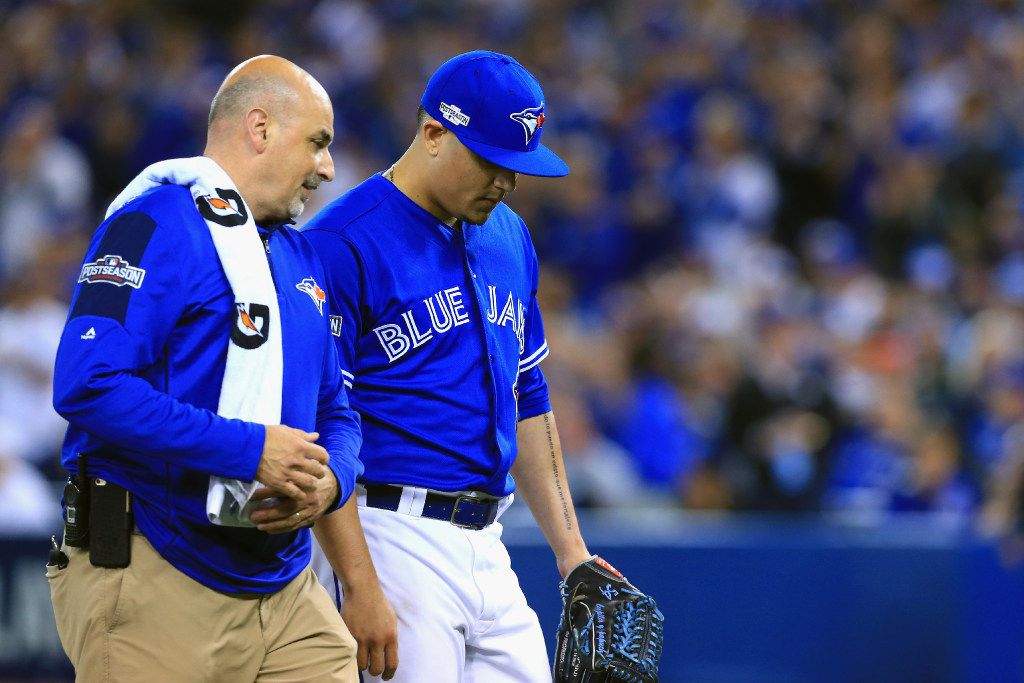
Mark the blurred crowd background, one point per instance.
(786, 273)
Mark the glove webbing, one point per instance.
(630, 639)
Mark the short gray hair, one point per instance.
(244, 94)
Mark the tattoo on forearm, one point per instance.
(554, 468)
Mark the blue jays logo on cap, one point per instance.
(532, 120)
(495, 107)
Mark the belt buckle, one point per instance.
(455, 511)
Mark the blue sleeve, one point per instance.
(533, 394)
(531, 385)
(129, 298)
(346, 291)
(338, 426)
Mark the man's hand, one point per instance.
(282, 515)
(371, 620)
(292, 463)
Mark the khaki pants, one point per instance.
(150, 622)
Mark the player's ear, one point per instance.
(433, 134)
(257, 126)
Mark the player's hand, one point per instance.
(292, 463)
(371, 620)
(282, 515)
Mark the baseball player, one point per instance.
(432, 290)
(196, 332)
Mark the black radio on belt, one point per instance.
(76, 507)
(98, 516)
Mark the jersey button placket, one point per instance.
(481, 305)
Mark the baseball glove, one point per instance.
(609, 631)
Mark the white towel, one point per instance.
(251, 389)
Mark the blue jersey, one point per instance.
(139, 372)
(439, 336)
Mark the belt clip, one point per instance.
(455, 511)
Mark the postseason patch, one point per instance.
(124, 242)
(113, 270)
(453, 114)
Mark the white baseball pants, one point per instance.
(462, 617)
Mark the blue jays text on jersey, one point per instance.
(439, 336)
(139, 373)
(445, 310)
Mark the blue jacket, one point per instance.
(138, 377)
(439, 336)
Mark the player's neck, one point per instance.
(403, 177)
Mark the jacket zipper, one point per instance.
(270, 263)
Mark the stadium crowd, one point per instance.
(786, 272)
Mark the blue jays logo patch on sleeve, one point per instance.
(319, 296)
(531, 119)
(113, 270)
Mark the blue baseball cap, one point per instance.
(495, 107)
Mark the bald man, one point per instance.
(182, 383)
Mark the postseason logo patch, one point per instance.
(113, 270)
(453, 114)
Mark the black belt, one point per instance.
(466, 511)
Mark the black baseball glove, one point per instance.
(609, 631)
